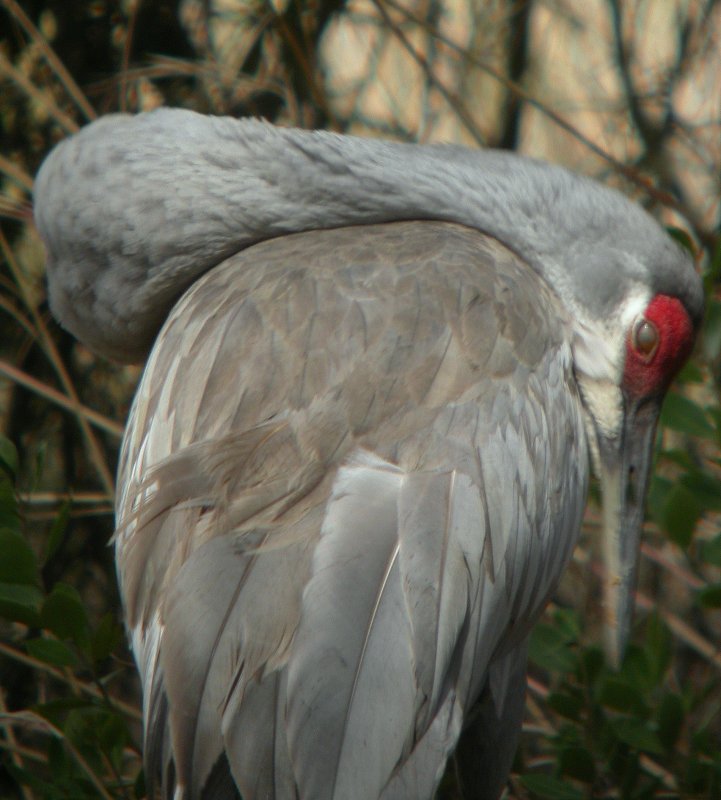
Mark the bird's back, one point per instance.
(350, 480)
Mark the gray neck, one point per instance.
(133, 209)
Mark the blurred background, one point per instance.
(628, 91)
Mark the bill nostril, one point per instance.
(631, 489)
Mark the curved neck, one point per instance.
(133, 209)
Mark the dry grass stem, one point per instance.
(70, 404)
(65, 78)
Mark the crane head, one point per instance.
(656, 338)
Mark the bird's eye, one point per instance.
(645, 338)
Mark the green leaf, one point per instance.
(51, 651)
(638, 671)
(658, 649)
(9, 515)
(97, 733)
(63, 613)
(658, 490)
(637, 734)
(679, 514)
(568, 622)
(550, 788)
(55, 711)
(683, 238)
(590, 666)
(714, 414)
(711, 338)
(106, 637)
(113, 736)
(17, 559)
(57, 532)
(20, 603)
(683, 415)
(713, 271)
(577, 762)
(711, 551)
(670, 720)
(567, 735)
(690, 373)
(704, 741)
(139, 789)
(41, 788)
(705, 487)
(8, 457)
(550, 650)
(566, 704)
(710, 596)
(619, 694)
(81, 729)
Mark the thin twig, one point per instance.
(450, 97)
(291, 40)
(10, 208)
(75, 513)
(19, 318)
(38, 723)
(87, 688)
(25, 752)
(43, 100)
(51, 57)
(13, 748)
(127, 46)
(16, 172)
(632, 174)
(687, 577)
(682, 630)
(48, 344)
(537, 687)
(48, 498)
(68, 403)
(657, 771)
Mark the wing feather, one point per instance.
(441, 535)
(488, 744)
(316, 623)
(351, 671)
(426, 558)
(221, 635)
(421, 772)
(255, 740)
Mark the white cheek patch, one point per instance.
(634, 306)
(599, 346)
(599, 354)
(595, 355)
(604, 402)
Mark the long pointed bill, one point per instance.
(625, 470)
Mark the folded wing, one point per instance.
(335, 512)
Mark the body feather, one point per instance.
(322, 584)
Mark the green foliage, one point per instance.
(69, 696)
(635, 728)
(72, 740)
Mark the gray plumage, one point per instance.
(135, 208)
(357, 461)
(349, 493)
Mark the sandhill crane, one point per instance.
(357, 461)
